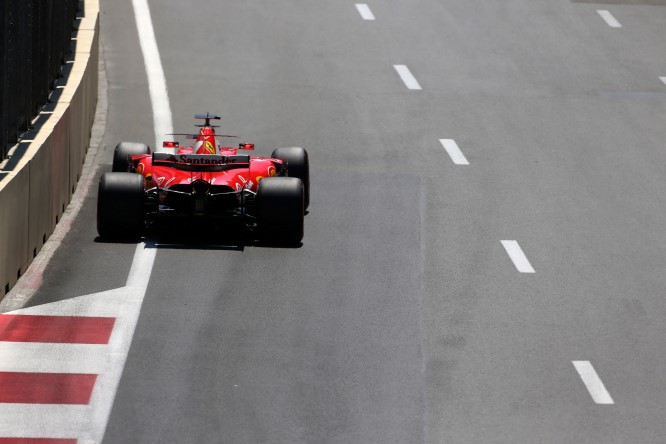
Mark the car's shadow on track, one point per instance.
(187, 236)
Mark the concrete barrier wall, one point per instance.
(36, 191)
(14, 260)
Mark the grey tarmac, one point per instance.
(401, 318)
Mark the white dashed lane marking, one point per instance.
(608, 17)
(593, 382)
(364, 10)
(517, 256)
(454, 152)
(663, 79)
(407, 77)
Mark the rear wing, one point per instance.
(201, 162)
(207, 117)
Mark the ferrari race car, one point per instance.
(269, 195)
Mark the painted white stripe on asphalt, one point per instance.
(142, 265)
(407, 77)
(517, 256)
(456, 155)
(44, 420)
(608, 17)
(39, 357)
(364, 10)
(159, 96)
(663, 79)
(593, 382)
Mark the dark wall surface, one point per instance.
(35, 36)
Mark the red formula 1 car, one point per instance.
(268, 194)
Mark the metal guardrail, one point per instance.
(35, 37)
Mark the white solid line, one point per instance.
(593, 383)
(156, 80)
(517, 256)
(456, 155)
(142, 265)
(407, 77)
(663, 79)
(364, 10)
(608, 17)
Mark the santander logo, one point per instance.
(202, 159)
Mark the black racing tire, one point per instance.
(280, 210)
(120, 206)
(122, 153)
(298, 165)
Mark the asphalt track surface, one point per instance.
(401, 318)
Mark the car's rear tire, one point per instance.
(298, 165)
(122, 153)
(120, 206)
(280, 210)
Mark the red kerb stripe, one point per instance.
(55, 329)
(46, 388)
(37, 441)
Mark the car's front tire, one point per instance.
(122, 153)
(280, 209)
(120, 206)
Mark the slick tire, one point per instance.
(120, 206)
(280, 210)
(122, 153)
(298, 165)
